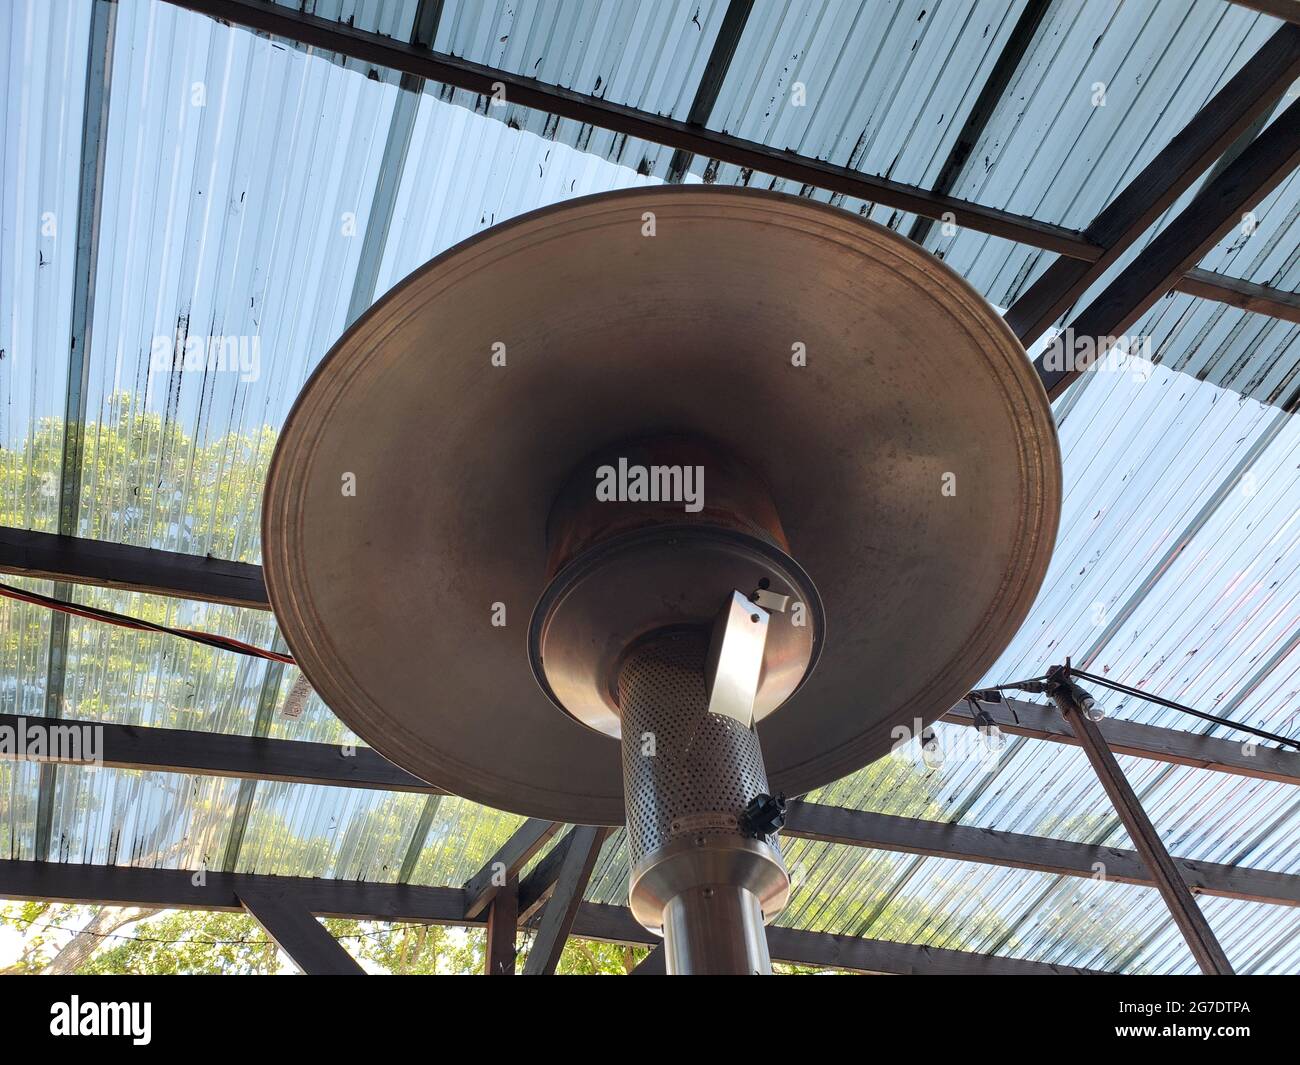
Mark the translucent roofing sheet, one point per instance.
(24, 650)
(649, 56)
(238, 174)
(234, 228)
(465, 172)
(126, 677)
(392, 18)
(1102, 89)
(42, 80)
(346, 833)
(19, 789)
(882, 87)
(609, 876)
(245, 190)
(462, 837)
(127, 817)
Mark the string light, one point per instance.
(994, 737)
(931, 753)
(256, 942)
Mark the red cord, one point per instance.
(110, 617)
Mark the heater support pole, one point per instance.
(715, 930)
(1187, 915)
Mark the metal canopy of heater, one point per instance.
(916, 420)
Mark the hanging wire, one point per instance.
(201, 941)
(1126, 689)
(110, 617)
(1032, 685)
(1038, 686)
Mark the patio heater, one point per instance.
(654, 507)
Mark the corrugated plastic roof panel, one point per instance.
(1103, 88)
(346, 833)
(648, 56)
(43, 81)
(466, 172)
(127, 817)
(392, 18)
(883, 88)
(1266, 250)
(462, 837)
(240, 182)
(228, 226)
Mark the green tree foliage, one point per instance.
(187, 942)
(198, 943)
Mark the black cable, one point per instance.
(1226, 722)
(1015, 685)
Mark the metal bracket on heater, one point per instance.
(770, 600)
(736, 659)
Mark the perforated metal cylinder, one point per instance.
(684, 769)
(687, 777)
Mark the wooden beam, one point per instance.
(220, 754)
(1018, 717)
(537, 886)
(968, 843)
(296, 932)
(562, 909)
(77, 560)
(183, 889)
(374, 48)
(1250, 93)
(1261, 167)
(114, 885)
(1283, 9)
(615, 924)
(1244, 295)
(715, 73)
(505, 865)
(502, 927)
(1168, 877)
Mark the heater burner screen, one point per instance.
(685, 770)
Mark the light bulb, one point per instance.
(994, 738)
(931, 752)
(991, 736)
(1086, 703)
